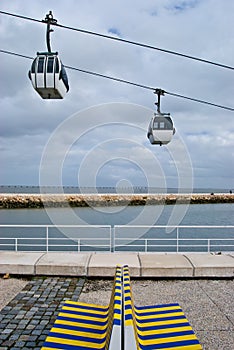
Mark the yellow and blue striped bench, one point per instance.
(88, 326)
(121, 324)
(157, 326)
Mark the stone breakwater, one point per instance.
(15, 201)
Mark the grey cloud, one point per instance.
(27, 120)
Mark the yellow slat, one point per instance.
(74, 342)
(167, 340)
(81, 317)
(78, 324)
(68, 308)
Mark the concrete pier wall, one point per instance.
(176, 265)
(15, 201)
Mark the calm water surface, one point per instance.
(199, 214)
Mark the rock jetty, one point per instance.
(15, 201)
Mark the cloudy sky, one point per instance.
(96, 136)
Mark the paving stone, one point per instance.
(7, 331)
(31, 344)
(24, 337)
(20, 344)
(8, 343)
(42, 337)
(36, 332)
(14, 337)
(31, 326)
(26, 332)
(4, 336)
(33, 337)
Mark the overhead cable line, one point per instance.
(200, 101)
(124, 41)
(111, 78)
(16, 54)
(128, 82)
(150, 88)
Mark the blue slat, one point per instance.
(165, 335)
(65, 346)
(77, 337)
(149, 320)
(173, 325)
(79, 329)
(156, 306)
(175, 344)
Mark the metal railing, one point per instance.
(175, 241)
(71, 241)
(141, 238)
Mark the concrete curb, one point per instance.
(103, 264)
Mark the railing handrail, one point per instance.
(176, 226)
(108, 226)
(54, 226)
(174, 239)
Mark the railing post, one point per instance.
(208, 245)
(146, 245)
(78, 245)
(16, 244)
(177, 239)
(113, 239)
(47, 239)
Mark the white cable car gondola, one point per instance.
(161, 129)
(47, 73)
(48, 76)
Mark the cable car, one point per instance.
(47, 73)
(48, 76)
(161, 129)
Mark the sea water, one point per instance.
(135, 221)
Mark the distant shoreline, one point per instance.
(27, 200)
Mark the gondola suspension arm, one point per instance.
(49, 19)
(159, 93)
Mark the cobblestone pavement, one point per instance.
(28, 318)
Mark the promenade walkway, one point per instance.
(207, 303)
(201, 283)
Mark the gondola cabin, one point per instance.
(48, 76)
(161, 129)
